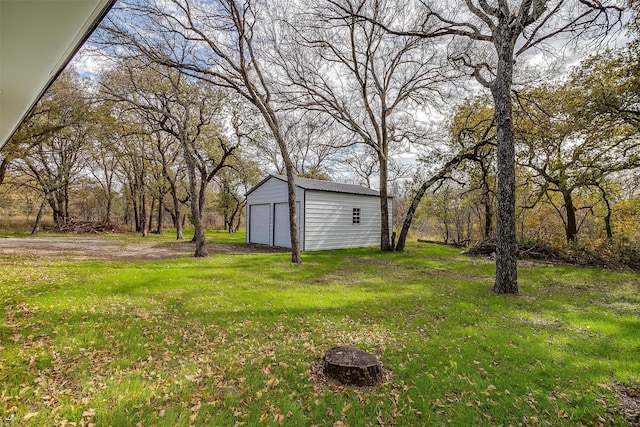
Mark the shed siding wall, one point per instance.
(329, 220)
(271, 192)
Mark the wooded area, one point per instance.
(178, 124)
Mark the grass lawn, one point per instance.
(230, 340)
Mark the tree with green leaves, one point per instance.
(566, 149)
(170, 162)
(610, 83)
(54, 139)
(472, 145)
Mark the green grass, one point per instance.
(230, 339)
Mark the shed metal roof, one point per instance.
(317, 185)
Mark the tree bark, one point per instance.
(506, 246)
(177, 220)
(4, 166)
(160, 218)
(36, 225)
(446, 230)
(198, 230)
(488, 216)
(143, 215)
(607, 225)
(293, 216)
(385, 236)
(571, 228)
(65, 195)
(134, 206)
(177, 217)
(408, 218)
(607, 221)
(56, 214)
(272, 121)
(152, 211)
(107, 216)
(352, 366)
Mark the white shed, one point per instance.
(330, 215)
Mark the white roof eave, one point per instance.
(38, 38)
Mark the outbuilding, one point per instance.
(330, 215)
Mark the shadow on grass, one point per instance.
(237, 334)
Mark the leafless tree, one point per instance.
(171, 103)
(362, 164)
(102, 160)
(225, 42)
(314, 141)
(366, 79)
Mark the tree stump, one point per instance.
(351, 366)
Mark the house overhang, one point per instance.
(38, 38)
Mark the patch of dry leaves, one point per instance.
(629, 401)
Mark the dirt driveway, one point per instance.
(113, 248)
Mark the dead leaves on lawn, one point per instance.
(168, 361)
(160, 360)
(628, 401)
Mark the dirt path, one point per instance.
(109, 248)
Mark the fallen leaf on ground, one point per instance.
(29, 415)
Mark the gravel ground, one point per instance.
(82, 247)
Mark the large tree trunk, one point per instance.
(291, 188)
(177, 217)
(134, 207)
(56, 214)
(385, 240)
(571, 227)
(4, 165)
(107, 216)
(179, 225)
(293, 215)
(198, 230)
(607, 225)
(160, 214)
(506, 246)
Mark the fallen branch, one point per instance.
(91, 227)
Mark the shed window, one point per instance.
(356, 215)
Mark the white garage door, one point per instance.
(259, 220)
(281, 233)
